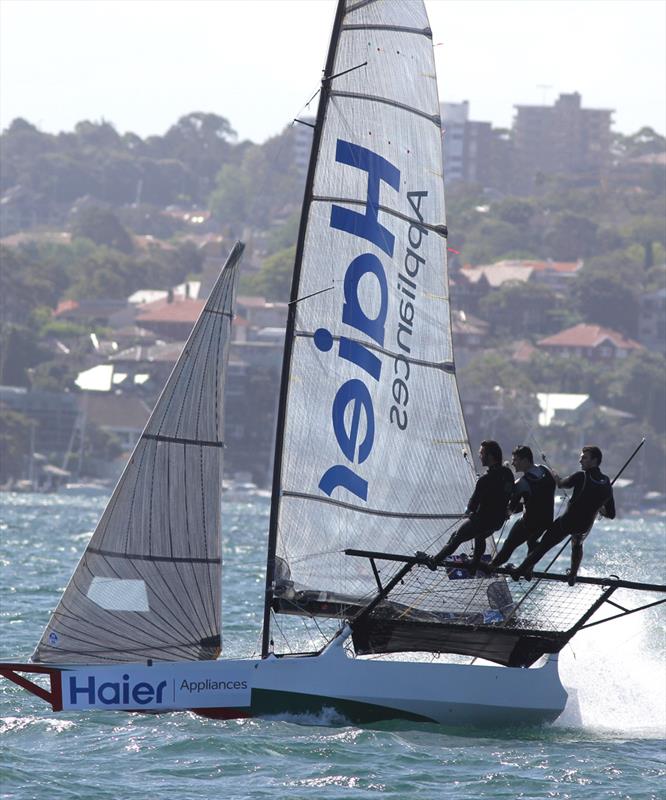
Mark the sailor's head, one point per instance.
(490, 453)
(590, 456)
(522, 458)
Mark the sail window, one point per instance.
(116, 594)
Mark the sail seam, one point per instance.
(434, 118)
(170, 559)
(427, 32)
(445, 366)
(441, 229)
(160, 437)
(376, 511)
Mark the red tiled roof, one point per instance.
(556, 266)
(584, 335)
(179, 310)
(64, 306)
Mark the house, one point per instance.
(557, 408)
(122, 415)
(170, 318)
(593, 342)
(469, 336)
(104, 311)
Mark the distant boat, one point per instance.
(86, 488)
(372, 464)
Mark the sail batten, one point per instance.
(149, 582)
(435, 118)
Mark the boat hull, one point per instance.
(331, 686)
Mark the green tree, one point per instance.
(607, 299)
(274, 278)
(637, 385)
(20, 350)
(570, 237)
(522, 309)
(103, 228)
(14, 443)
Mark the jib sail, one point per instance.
(149, 583)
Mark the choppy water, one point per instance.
(613, 747)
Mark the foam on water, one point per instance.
(617, 673)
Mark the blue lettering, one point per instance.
(352, 313)
(379, 169)
(353, 397)
(356, 392)
(114, 699)
(142, 693)
(361, 356)
(74, 690)
(340, 475)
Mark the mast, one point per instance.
(291, 320)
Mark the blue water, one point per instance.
(611, 745)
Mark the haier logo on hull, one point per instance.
(114, 693)
(353, 398)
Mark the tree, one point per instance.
(20, 350)
(15, 431)
(274, 278)
(522, 309)
(637, 385)
(103, 228)
(644, 142)
(570, 237)
(608, 300)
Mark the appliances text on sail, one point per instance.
(407, 286)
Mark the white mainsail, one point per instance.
(374, 452)
(149, 583)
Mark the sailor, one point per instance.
(534, 494)
(592, 495)
(486, 510)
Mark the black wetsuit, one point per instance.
(592, 494)
(487, 507)
(536, 491)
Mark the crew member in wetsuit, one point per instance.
(486, 508)
(592, 495)
(535, 493)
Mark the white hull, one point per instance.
(341, 687)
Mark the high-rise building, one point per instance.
(563, 139)
(474, 152)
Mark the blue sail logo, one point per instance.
(354, 393)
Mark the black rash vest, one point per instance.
(491, 496)
(592, 494)
(536, 489)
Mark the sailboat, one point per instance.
(372, 464)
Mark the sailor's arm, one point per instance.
(608, 508)
(565, 483)
(521, 489)
(475, 499)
